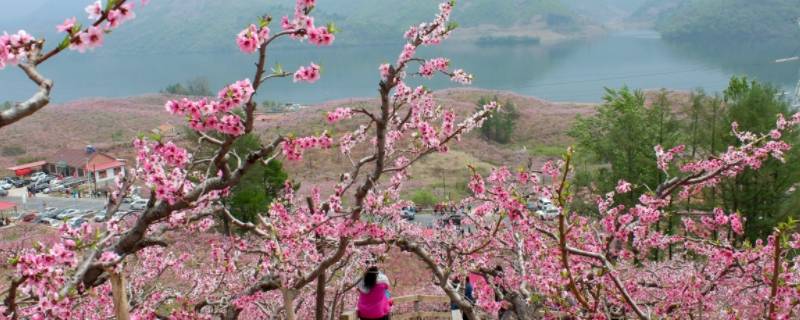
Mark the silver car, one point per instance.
(139, 204)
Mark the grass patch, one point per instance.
(547, 151)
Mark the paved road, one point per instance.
(38, 203)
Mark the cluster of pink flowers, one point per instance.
(308, 74)
(339, 114)
(207, 115)
(408, 52)
(120, 15)
(89, 39)
(462, 77)
(252, 38)
(623, 186)
(235, 95)
(303, 26)
(429, 137)
(163, 168)
(293, 148)
(320, 36)
(664, 158)
(433, 33)
(14, 47)
(432, 66)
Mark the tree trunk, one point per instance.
(319, 312)
(120, 297)
(288, 303)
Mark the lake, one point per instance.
(568, 71)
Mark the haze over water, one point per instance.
(570, 71)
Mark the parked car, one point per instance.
(139, 204)
(409, 213)
(6, 185)
(50, 212)
(50, 221)
(68, 213)
(76, 222)
(3, 193)
(99, 217)
(29, 217)
(54, 188)
(19, 183)
(37, 187)
(36, 175)
(548, 213)
(451, 219)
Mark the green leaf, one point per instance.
(452, 26)
(155, 137)
(264, 21)
(278, 69)
(110, 4)
(332, 28)
(64, 43)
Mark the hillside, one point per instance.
(607, 12)
(724, 20)
(110, 123)
(209, 25)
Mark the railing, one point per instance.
(417, 300)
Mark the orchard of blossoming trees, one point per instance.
(302, 256)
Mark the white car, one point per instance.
(38, 175)
(6, 185)
(548, 213)
(139, 204)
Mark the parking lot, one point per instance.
(68, 209)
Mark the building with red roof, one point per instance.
(87, 163)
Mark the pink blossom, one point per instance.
(320, 36)
(384, 69)
(339, 114)
(251, 38)
(308, 74)
(462, 77)
(67, 25)
(736, 224)
(92, 38)
(623, 186)
(432, 66)
(95, 10)
(406, 54)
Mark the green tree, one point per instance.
(258, 189)
(758, 195)
(500, 126)
(621, 137)
(262, 184)
(424, 198)
(195, 87)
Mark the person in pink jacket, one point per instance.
(374, 302)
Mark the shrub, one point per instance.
(424, 198)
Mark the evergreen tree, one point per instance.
(621, 138)
(758, 195)
(500, 126)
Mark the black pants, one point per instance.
(386, 317)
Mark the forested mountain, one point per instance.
(209, 25)
(604, 11)
(724, 20)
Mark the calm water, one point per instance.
(573, 71)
